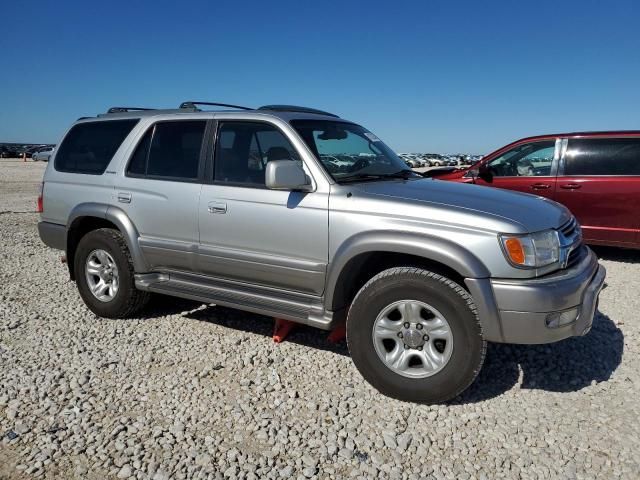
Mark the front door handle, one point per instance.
(124, 197)
(571, 186)
(540, 186)
(217, 207)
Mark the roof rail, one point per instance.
(126, 109)
(293, 108)
(191, 104)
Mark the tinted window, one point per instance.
(611, 156)
(138, 163)
(169, 149)
(90, 146)
(244, 148)
(527, 160)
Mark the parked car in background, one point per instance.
(426, 162)
(23, 151)
(418, 158)
(9, 152)
(595, 174)
(410, 160)
(42, 155)
(438, 162)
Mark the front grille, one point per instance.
(571, 248)
(569, 228)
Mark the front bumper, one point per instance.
(518, 310)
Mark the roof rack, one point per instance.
(137, 112)
(191, 104)
(126, 109)
(293, 108)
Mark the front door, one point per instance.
(599, 181)
(529, 168)
(255, 235)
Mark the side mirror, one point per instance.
(286, 175)
(485, 173)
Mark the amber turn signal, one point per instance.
(515, 250)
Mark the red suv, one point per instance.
(595, 174)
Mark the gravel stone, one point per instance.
(191, 390)
(309, 472)
(21, 428)
(125, 472)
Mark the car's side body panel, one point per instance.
(606, 207)
(262, 236)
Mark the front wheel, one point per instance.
(415, 335)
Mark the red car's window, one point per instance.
(527, 160)
(602, 156)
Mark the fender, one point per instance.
(429, 247)
(120, 219)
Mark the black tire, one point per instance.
(128, 300)
(449, 298)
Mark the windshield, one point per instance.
(350, 152)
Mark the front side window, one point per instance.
(89, 146)
(602, 156)
(169, 150)
(527, 160)
(243, 150)
(349, 151)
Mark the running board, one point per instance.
(300, 308)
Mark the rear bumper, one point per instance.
(518, 311)
(53, 235)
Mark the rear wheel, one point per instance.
(415, 335)
(105, 276)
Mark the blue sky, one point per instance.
(441, 76)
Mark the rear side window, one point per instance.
(600, 156)
(89, 147)
(169, 150)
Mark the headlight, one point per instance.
(533, 250)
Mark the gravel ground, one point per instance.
(198, 391)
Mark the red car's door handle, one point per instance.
(571, 186)
(540, 186)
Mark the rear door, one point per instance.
(529, 167)
(160, 191)
(599, 181)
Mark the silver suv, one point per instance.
(245, 208)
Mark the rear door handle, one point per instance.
(571, 186)
(540, 186)
(217, 207)
(124, 197)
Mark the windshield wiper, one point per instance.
(404, 174)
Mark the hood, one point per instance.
(467, 203)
